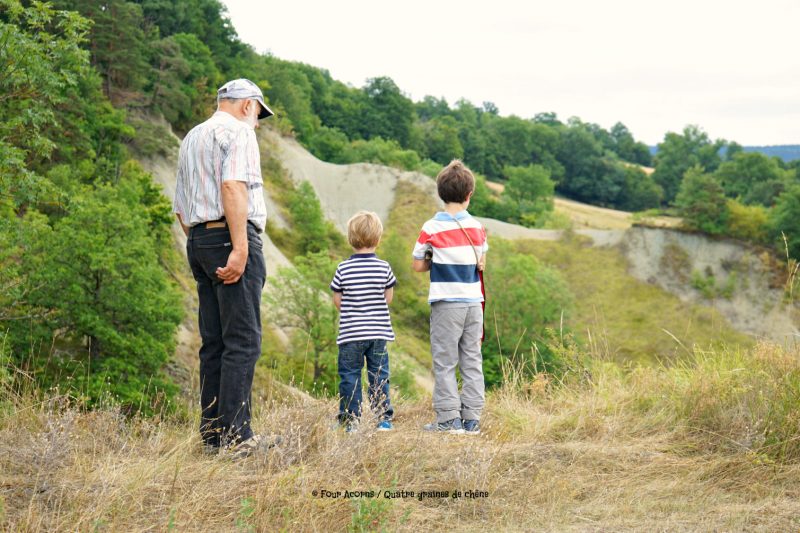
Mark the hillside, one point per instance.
(693, 445)
(657, 257)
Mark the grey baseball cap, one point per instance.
(243, 88)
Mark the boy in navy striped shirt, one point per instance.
(363, 287)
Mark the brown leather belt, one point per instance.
(219, 223)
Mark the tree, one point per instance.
(387, 112)
(627, 148)
(550, 118)
(97, 272)
(784, 221)
(290, 89)
(589, 174)
(308, 220)
(747, 222)
(170, 71)
(207, 20)
(40, 57)
(185, 80)
(678, 153)
(118, 44)
(342, 108)
(385, 152)
(441, 140)
(300, 299)
(753, 178)
(640, 191)
(484, 203)
(329, 144)
(530, 191)
(701, 202)
(525, 298)
(431, 107)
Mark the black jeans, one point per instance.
(230, 328)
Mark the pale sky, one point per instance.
(729, 66)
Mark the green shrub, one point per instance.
(378, 150)
(702, 203)
(527, 306)
(747, 222)
(705, 283)
(329, 144)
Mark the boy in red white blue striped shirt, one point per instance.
(452, 246)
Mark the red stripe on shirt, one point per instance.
(455, 237)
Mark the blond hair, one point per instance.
(364, 230)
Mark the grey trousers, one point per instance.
(455, 342)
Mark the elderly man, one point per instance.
(219, 202)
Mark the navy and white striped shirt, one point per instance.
(363, 279)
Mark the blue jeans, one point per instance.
(351, 361)
(230, 328)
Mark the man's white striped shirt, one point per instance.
(221, 148)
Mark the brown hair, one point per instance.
(455, 182)
(364, 230)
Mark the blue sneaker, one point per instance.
(385, 425)
(472, 427)
(451, 426)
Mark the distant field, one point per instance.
(593, 217)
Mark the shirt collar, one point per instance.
(223, 114)
(362, 256)
(444, 215)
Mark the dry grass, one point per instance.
(607, 449)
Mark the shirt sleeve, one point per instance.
(243, 161)
(422, 245)
(179, 201)
(391, 281)
(336, 283)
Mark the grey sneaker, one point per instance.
(451, 426)
(472, 427)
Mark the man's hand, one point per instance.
(234, 202)
(231, 272)
(482, 262)
(184, 227)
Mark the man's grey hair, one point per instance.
(221, 99)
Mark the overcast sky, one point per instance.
(730, 66)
